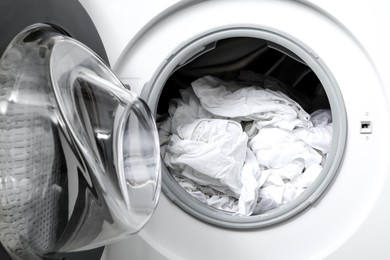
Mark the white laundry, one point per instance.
(321, 117)
(291, 192)
(230, 100)
(209, 152)
(270, 197)
(288, 172)
(320, 135)
(275, 148)
(251, 78)
(186, 109)
(213, 159)
(251, 180)
(307, 177)
(208, 195)
(291, 165)
(164, 130)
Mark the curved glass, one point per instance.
(79, 154)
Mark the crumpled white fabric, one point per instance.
(215, 161)
(275, 148)
(320, 135)
(251, 179)
(292, 160)
(185, 139)
(186, 109)
(210, 152)
(208, 195)
(230, 100)
(250, 78)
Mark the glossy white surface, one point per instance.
(351, 219)
(120, 20)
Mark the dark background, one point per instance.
(94, 254)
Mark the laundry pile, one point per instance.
(243, 148)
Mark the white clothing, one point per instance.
(272, 162)
(279, 175)
(321, 117)
(209, 152)
(276, 148)
(307, 177)
(270, 197)
(319, 137)
(251, 180)
(164, 130)
(208, 195)
(230, 100)
(186, 109)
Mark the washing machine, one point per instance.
(333, 53)
(156, 47)
(79, 150)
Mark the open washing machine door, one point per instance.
(79, 153)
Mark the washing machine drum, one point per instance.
(79, 154)
(252, 128)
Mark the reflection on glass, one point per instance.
(79, 155)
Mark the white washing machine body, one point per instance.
(349, 220)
